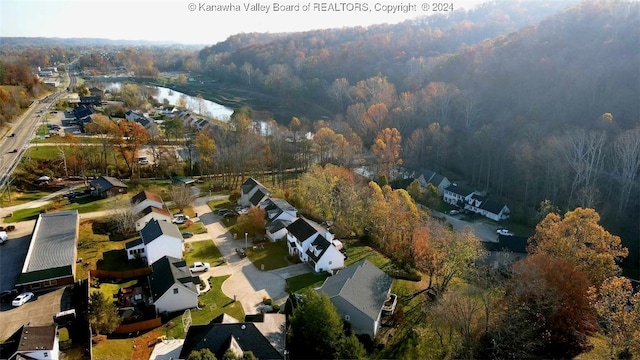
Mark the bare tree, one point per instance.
(584, 153)
(626, 150)
(182, 197)
(122, 218)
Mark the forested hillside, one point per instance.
(503, 98)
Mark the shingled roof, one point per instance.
(362, 285)
(166, 272)
(154, 229)
(301, 229)
(144, 195)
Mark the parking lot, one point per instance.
(13, 253)
(39, 311)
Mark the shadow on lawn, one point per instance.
(116, 260)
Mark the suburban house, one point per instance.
(91, 100)
(107, 186)
(33, 343)
(455, 195)
(146, 206)
(359, 293)
(172, 285)
(143, 120)
(262, 334)
(51, 258)
(96, 91)
(486, 207)
(83, 114)
(506, 251)
(435, 179)
(252, 193)
(323, 255)
(276, 230)
(302, 234)
(157, 239)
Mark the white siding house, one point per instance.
(157, 239)
(173, 287)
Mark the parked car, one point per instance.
(241, 252)
(12, 135)
(3, 237)
(22, 299)
(504, 232)
(454, 212)
(187, 234)
(222, 211)
(199, 266)
(14, 151)
(180, 219)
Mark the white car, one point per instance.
(22, 299)
(199, 266)
(504, 232)
(180, 219)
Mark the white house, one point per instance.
(157, 239)
(431, 177)
(145, 199)
(172, 285)
(152, 213)
(252, 193)
(302, 234)
(456, 195)
(32, 342)
(279, 209)
(322, 255)
(276, 230)
(146, 206)
(486, 207)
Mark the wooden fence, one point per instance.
(138, 326)
(127, 274)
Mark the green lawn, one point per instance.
(215, 303)
(93, 243)
(356, 251)
(84, 205)
(205, 251)
(108, 289)
(113, 349)
(196, 228)
(298, 284)
(21, 197)
(272, 255)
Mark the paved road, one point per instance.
(485, 232)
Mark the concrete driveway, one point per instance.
(485, 232)
(247, 284)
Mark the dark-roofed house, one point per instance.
(359, 292)
(173, 287)
(90, 100)
(276, 230)
(301, 234)
(107, 186)
(506, 251)
(435, 179)
(146, 206)
(456, 195)
(486, 207)
(322, 255)
(279, 209)
(252, 193)
(96, 91)
(157, 239)
(237, 337)
(32, 342)
(52, 254)
(143, 120)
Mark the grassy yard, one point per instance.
(108, 289)
(272, 255)
(196, 228)
(215, 303)
(356, 251)
(84, 205)
(21, 197)
(300, 283)
(113, 349)
(93, 245)
(205, 251)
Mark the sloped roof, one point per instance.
(149, 209)
(165, 272)
(492, 206)
(219, 337)
(249, 184)
(154, 229)
(515, 244)
(437, 179)
(145, 195)
(28, 338)
(133, 243)
(277, 225)
(53, 243)
(107, 182)
(301, 229)
(318, 247)
(362, 285)
(458, 190)
(257, 197)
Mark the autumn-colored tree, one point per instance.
(376, 118)
(252, 222)
(205, 147)
(546, 311)
(579, 238)
(324, 144)
(618, 311)
(386, 147)
(105, 130)
(131, 137)
(182, 197)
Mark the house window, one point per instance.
(347, 318)
(35, 286)
(46, 354)
(175, 291)
(330, 262)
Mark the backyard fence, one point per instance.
(138, 326)
(127, 274)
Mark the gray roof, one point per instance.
(107, 182)
(165, 273)
(318, 247)
(362, 285)
(458, 190)
(301, 229)
(53, 243)
(249, 184)
(154, 229)
(257, 197)
(275, 226)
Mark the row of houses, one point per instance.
(307, 240)
(471, 200)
